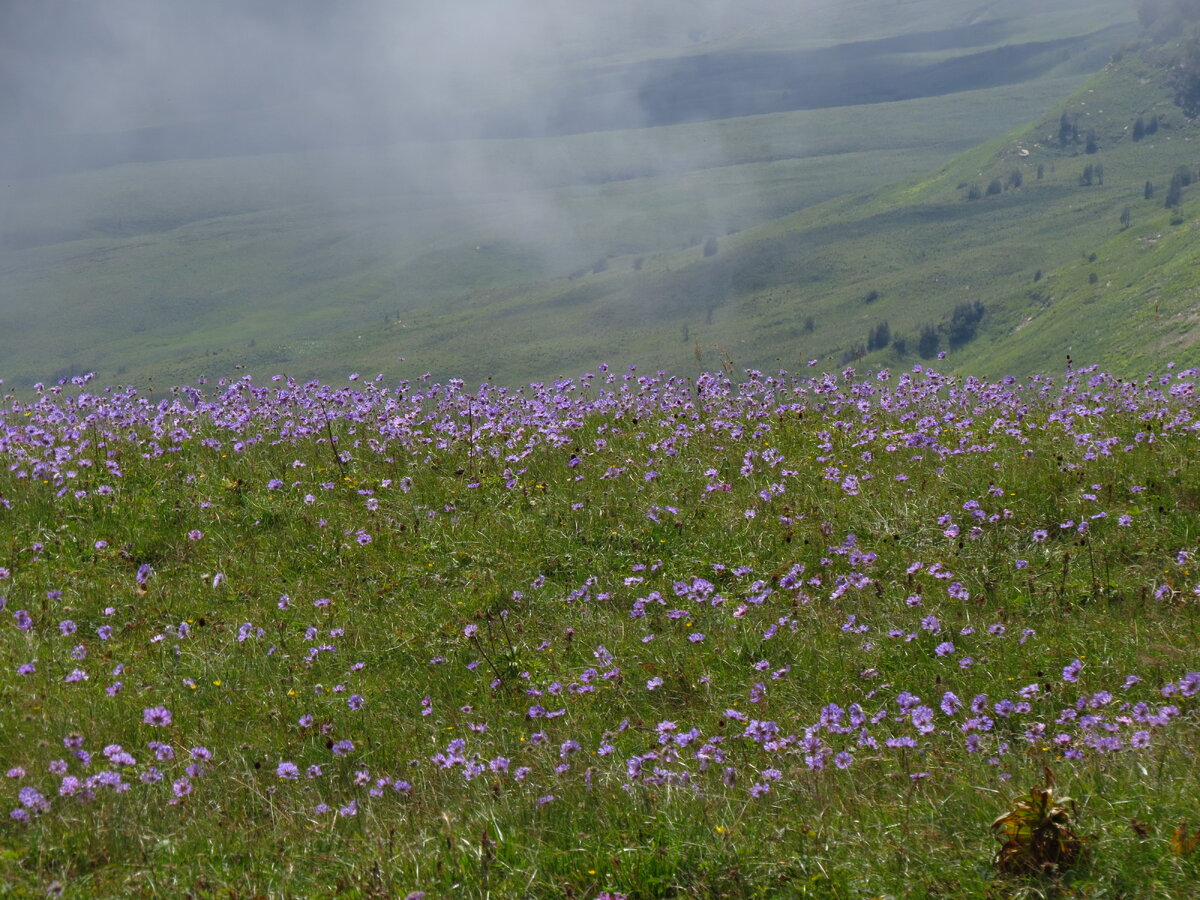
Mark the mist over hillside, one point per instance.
(174, 179)
(138, 81)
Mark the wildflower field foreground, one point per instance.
(625, 634)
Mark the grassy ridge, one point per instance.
(622, 633)
(1057, 270)
(436, 251)
(233, 248)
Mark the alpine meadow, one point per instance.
(663, 450)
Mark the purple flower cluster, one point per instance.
(712, 662)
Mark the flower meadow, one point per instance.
(621, 635)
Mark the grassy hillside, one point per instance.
(1057, 268)
(514, 258)
(619, 636)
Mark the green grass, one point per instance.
(550, 521)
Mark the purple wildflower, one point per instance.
(157, 716)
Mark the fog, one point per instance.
(507, 118)
(407, 88)
(85, 84)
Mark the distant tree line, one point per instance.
(1182, 178)
(963, 321)
(1092, 174)
(1069, 135)
(1143, 129)
(879, 337)
(1068, 130)
(1015, 179)
(929, 342)
(959, 329)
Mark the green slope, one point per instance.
(1054, 267)
(537, 257)
(175, 267)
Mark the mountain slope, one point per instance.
(748, 239)
(1051, 262)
